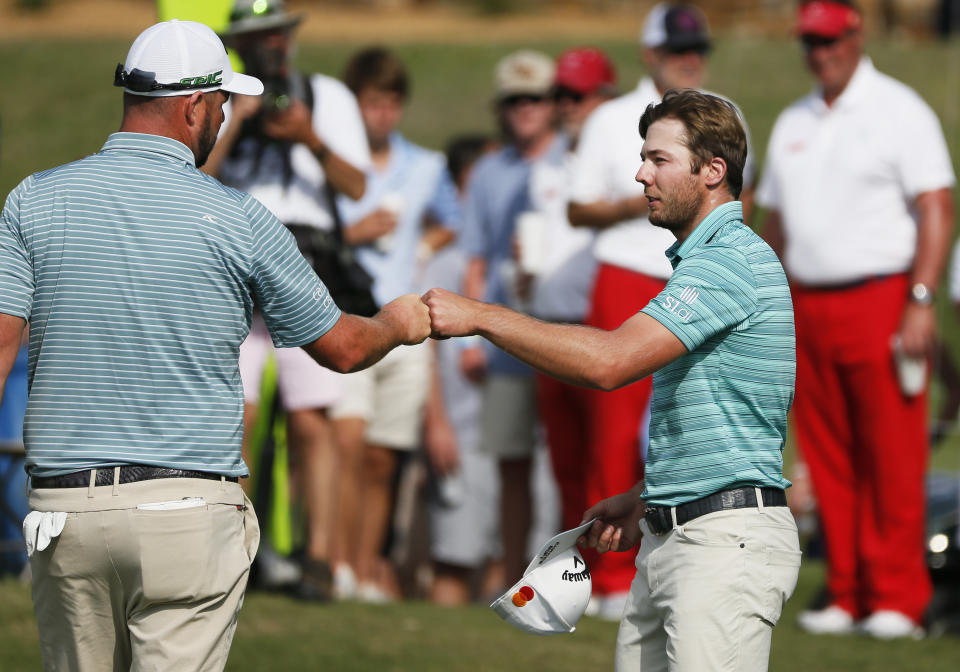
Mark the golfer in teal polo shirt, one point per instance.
(720, 553)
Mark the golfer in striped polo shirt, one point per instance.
(138, 275)
(720, 553)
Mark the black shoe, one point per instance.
(316, 582)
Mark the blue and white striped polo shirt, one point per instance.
(719, 413)
(138, 274)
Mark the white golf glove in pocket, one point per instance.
(40, 527)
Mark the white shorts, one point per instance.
(390, 396)
(301, 382)
(509, 418)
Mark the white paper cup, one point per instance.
(531, 230)
(392, 203)
(911, 371)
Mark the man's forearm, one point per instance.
(578, 354)
(604, 214)
(342, 175)
(355, 343)
(934, 233)
(11, 330)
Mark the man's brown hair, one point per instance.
(377, 68)
(713, 129)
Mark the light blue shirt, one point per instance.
(419, 178)
(499, 191)
(138, 274)
(719, 413)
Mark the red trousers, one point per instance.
(613, 461)
(865, 444)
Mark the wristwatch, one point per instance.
(921, 294)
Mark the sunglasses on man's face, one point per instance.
(811, 42)
(521, 99)
(698, 49)
(562, 93)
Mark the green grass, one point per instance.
(277, 633)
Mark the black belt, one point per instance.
(128, 474)
(659, 520)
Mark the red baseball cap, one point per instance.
(828, 18)
(584, 70)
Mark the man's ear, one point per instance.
(714, 172)
(193, 109)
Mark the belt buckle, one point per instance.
(656, 513)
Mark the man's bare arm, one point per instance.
(604, 214)
(11, 331)
(934, 232)
(577, 354)
(355, 342)
(773, 232)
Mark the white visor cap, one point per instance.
(554, 591)
(186, 55)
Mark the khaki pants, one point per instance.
(128, 589)
(707, 595)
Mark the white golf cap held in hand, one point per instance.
(554, 591)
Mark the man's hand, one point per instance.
(617, 527)
(290, 125)
(440, 441)
(451, 314)
(367, 229)
(918, 329)
(409, 316)
(244, 107)
(473, 364)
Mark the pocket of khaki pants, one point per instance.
(176, 553)
(782, 569)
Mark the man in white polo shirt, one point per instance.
(859, 186)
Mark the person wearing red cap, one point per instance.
(858, 184)
(557, 273)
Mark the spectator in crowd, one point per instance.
(292, 149)
(858, 184)
(379, 417)
(140, 537)
(557, 272)
(498, 193)
(462, 508)
(629, 250)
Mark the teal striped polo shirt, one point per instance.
(718, 418)
(138, 274)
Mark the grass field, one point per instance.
(277, 633)
(58, 105)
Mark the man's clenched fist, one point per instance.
(451, 314)
(409, 316)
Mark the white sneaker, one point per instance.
(344, 582)
(830, 621)
(371, 593)
(889, 624)
(612, 605)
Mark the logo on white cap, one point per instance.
(176, 58)
(554, 591)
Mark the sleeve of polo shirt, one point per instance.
(924, 160)
(16, 271)
(708, 294)
(588, 182)
(296, 306)
(338, 122)
(472, 234)
(445, 204)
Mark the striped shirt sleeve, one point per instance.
(707, 294)
(296, 306)
(17, 284)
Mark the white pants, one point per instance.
(706, 595)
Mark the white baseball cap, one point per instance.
(176, 58)
(554, 591)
